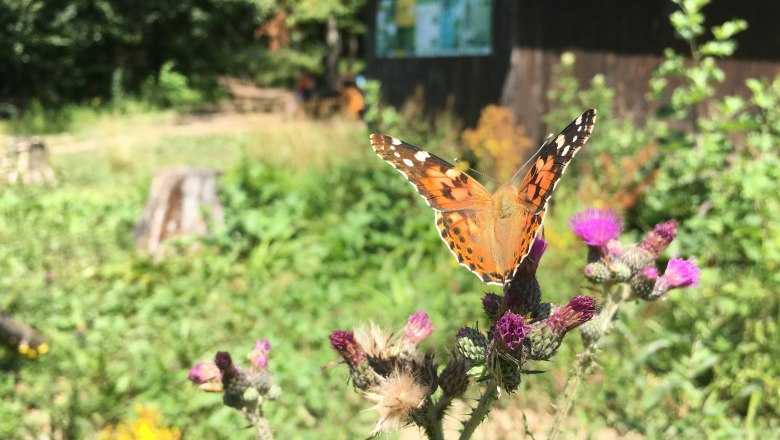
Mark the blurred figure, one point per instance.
(353, 103)
(305, 86)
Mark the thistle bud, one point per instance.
(234, 381)
(657, 240)
(597, 272)
(471, 344)
(347, 347)
(620, 271)
(454, 379)
(258, 357)
(542, 343)
(644, 282)
(493, 306)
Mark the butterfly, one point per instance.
(489, 233)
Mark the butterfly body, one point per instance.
(489, 233)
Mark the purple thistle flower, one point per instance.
(418, 327)
(681, 273)
(204, 372)
(258, 357)
(596, 227)
(575, 313)
(510, 331)
(347, 347)
(657, 240)
(531, 261)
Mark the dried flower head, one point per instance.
(396, 397)
(374, 340)
(418, 327)
(596, 227)
(510, 331)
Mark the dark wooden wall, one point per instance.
(623, 40)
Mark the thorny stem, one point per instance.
(615, 295)
(481, 411)
(432, 423)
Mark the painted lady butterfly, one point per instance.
(490, 234)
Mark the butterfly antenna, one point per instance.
(533, 156)
(458, 161)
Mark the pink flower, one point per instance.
(596, 227)
(681, 273)
(575, 313)
(204, 372)
(418, 327)
(258, 358)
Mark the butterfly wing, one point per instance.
(444, 187)
(549, 165)
(519, 230)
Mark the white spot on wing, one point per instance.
(408, 162)
(565, 151)
(396, 141)
(579, 120)
(396, 154)
(421, 155)
(559, 141)
(392, 147)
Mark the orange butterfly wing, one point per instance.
(490, 234)
(443, 186)
(548, 166)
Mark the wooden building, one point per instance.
(623, 40)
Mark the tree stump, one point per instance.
(182, 201)
(20, 337)
(26, 161)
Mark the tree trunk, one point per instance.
(333, 41)
(182, 201)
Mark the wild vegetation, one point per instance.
(320, 234)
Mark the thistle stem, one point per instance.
(433, 424)
(481, 411)
(261, 425)
(614, 296)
